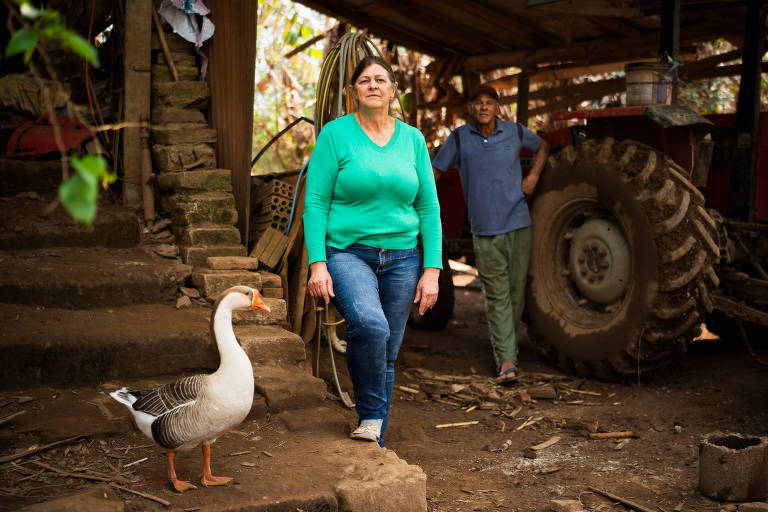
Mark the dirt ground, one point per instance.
(717, 386)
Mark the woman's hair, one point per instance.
(369, 60)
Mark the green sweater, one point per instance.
(383, 197)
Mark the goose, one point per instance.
(200, 408)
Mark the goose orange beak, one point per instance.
(258, 302)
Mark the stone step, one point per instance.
(277, 316)
(288, 388)
(210, 283)
(269, 345)
(181, 157)
(161, 73)
(183, 133)
(208, 180)
(203, 208)
(187, 94)
(51, 346)
(207, 235)
(24, 224)
(76, 278)
(163, 115)
(314, 467)
(179, 58)
(196, 255)
(24, 175)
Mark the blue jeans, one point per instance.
(374, 291)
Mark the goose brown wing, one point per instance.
(166, 398)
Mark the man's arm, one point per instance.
(539, 160)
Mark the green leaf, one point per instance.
(80, 46)
(22, 40)
(79, 194)
(315, 53)
(305, 32)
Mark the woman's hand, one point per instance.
(426, 290)
(320, 282)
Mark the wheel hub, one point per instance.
(600, 261)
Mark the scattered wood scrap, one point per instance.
(459, 424)
(623, 501)
(142, 494)
(532, 451)
(38, 449)
(612, 435)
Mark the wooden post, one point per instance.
(523, 86)
(669, 42)
(743, 182)
(138, 82)
(231, 74)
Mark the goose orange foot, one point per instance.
(179, 485)
(207, 478)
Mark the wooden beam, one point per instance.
(588, 7)
(381, 28)
(231, 74)
(599, 50)
(138, 84)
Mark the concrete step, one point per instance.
(183, 133)
(210, 283)
(162, 115)
(313, 467)
(161, 73)
(202, 208)
(205, 180)
(55, 346)
(77, 278)
(25, 175)
(207, 235)
(278, 315)
(25, 225)
(180, 157)
(196, 255)
(187, 94)
(288, 388)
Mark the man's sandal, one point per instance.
(366, 433)
(508, 376)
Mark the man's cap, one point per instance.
(483, 89)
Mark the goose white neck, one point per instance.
(229, 349)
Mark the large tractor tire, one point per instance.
(622, 259)
(437, 317)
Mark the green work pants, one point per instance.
(502, 263)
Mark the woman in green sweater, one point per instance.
(370, 194)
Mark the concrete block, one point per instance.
(199, 180)
(276, 293)
(288, 388)
(197, 255)
(179, 58)
(161, 73)
(181, 94)
(207, 235)
(392, 485)
(271, 346)
(733, 467)
(205, 208)
(183, 134)
(232, 263)
(277, 316)
(211, 283)
(165, 115)
(182, 157)
(270, 280)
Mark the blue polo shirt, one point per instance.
(490, 175)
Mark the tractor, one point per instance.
(649, 220)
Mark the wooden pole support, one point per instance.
(164, 45)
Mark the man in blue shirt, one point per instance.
(487, 153)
